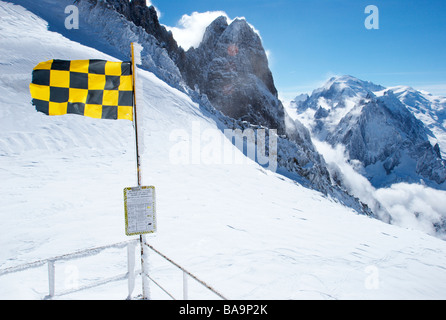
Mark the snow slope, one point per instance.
(250, 233)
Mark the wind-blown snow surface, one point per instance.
(250, 233)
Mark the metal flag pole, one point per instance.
(135, 118)
(142, 238)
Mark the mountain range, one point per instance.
(395, 134)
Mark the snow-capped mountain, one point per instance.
(377, 129)
(429, 109)
(331, 102)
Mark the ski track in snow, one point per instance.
(250, 233)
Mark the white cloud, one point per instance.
(190, 29)
(414, 206)
(411, 206)
(269, 55)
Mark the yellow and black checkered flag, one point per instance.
(92, 88)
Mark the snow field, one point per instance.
(249, 233)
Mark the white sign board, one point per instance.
(140, 210)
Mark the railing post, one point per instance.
(185, 286)
(144, 269)
(51, 279)
(131, 268)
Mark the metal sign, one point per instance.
(140, 210)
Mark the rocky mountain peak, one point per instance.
(239, 31)
(346, 86)
(231, 67)
(214, 31)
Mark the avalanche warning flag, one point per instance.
(92, 88)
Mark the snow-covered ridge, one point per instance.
(429, 109)
(104, 28)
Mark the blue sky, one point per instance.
(310, 40)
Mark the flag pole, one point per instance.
(142, 239)
(135, 118)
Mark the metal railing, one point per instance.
(130, 275)
(186, 274)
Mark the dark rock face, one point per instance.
(231, 67)
(146, 17)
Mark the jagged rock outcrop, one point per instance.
(146, 17)
(115, 24)
(231, 67)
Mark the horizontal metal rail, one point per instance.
(74, 256)
(93, 285)
(130, 275)
(65, 257)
